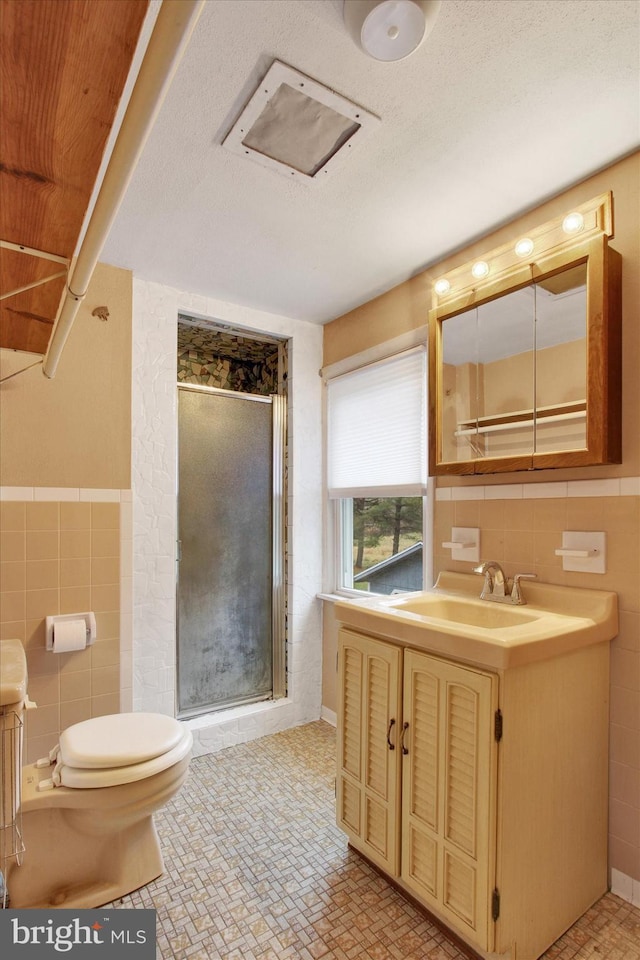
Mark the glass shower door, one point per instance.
(228, 570)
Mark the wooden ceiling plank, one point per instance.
(63, 69)
(26, 320)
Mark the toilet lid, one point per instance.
(118, 740)
(87, 779)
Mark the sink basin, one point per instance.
(486, 614)
(451, 620)
(13, 672)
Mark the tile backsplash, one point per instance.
(521, 527)
(62, 556)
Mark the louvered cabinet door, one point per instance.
(448, 791)
(368, 781)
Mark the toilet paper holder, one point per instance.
(50, 622)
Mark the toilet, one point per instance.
(87, 810)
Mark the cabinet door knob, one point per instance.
(391, 746)
(405, 727)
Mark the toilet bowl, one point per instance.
(87, 810)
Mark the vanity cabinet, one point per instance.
(368, 782)
(448, 809)
(499, 831)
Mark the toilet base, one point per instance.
(85, 848)
(71, 876)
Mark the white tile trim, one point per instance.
(541, 491)
(610, 487)
(100, 496)
(625, 887)
(630, 486)
(60, 494)
(504, 491)
(16, 493)
(594, 488)
(467, 493)
(95, 495)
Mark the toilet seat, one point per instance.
(118, 740)
(83, 779)
(117, 749)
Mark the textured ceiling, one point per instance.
(507, 103)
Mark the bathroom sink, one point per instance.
(450, 619)
(13, 672)
(481, 613)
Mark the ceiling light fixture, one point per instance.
(390, 30)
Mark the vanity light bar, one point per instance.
(590, 219)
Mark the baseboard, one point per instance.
(329, 715)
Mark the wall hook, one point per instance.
(102, 312)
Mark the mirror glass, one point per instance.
(514, 372)
(561, 361)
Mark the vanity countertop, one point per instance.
(452, 621)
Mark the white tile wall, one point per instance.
(154, 429)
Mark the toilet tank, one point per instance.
(13, 692)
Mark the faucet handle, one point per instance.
(516, 592)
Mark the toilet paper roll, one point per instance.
(69, 635)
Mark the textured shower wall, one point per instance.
(155, 309)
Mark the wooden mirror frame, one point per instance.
(553, 254)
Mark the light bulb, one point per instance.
(523, 247)
(442, 286)
(480, 269)
(573, 223)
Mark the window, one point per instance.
(377, 465)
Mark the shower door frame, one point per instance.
(278, 555)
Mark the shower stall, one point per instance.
(230, 584)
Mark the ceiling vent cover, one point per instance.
(296, 126)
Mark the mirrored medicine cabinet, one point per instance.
(524, 353)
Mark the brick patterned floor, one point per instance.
(255, 869)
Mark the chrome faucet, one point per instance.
(496, 586)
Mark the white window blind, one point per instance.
(377, 429)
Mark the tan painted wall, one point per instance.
(64, 557)
(74, 430)
(523, 534)
(407, 306)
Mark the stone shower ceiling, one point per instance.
(221, 341)
(505, 105)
